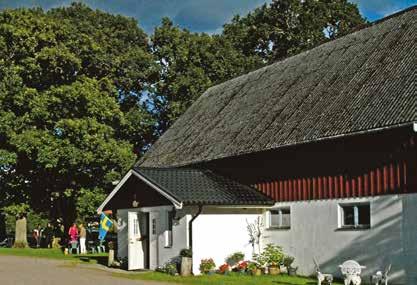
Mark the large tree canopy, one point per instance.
(84, 92)
(189, 64)
(70, 106)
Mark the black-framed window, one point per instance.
(280, 218)
(357, 216)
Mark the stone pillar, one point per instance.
(21, 232)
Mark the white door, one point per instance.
(136, 254)
(153, 240)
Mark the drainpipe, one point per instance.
(190, 225)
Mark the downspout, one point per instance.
(190, 225)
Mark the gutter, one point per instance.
(190, 225)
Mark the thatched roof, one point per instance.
(358, 83)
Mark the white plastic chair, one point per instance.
(380, 278)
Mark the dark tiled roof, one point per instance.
(194, 186)
(358, 83)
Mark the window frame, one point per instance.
(356, 218)
(168, 234)
(280, 218)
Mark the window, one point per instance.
(154, 226)
(168, 232)
(355, 216)
(280, 218)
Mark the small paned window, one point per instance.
(280, 218)
(154, 226)
(355, 216)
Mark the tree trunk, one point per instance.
(20, 239)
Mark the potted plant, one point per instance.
(242, 266)
(224, 269)
(234, 259)
(254, 268)
(287, 262)
(186, 261)
(272, 257)
(207, 266)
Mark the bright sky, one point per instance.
(198, 15)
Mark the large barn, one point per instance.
(329, 135)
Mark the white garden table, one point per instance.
(352, 271)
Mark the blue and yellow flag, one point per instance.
(105, 225)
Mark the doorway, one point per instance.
(138, 241)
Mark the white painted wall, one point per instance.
(219, 232)
(391, 239)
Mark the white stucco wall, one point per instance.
(392, 237)
(218, 233)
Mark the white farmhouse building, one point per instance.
(329, 135)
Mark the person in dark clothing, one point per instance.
(49, 234)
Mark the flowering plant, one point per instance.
(206, 265)
(224, 268)
(242, 266)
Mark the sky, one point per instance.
(198, 15)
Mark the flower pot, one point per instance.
(274, 270)
(257, 272)
(186, 264)
(292, 271)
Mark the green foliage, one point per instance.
(189, 64)
(272, 255)
(71, 81)
(88, 201)
(169, 268)
(33, 219)
(186, 252)
(235, 258)
(286, 27)
(206, 265)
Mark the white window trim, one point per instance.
(277, 227)
(340, 216)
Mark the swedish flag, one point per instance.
(105, 225)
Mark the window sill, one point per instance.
(353, 228)
(278, 228)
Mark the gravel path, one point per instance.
(40, 271)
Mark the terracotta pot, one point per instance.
(274, 270)
(257, 272)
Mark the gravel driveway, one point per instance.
(40, 271)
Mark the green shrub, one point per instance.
(207, 265)
(186, 252)
(272, 255)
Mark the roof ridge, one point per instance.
(393, 15)
(326, 41)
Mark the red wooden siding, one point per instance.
(388, 177)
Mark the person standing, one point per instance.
(73, 233)
(48, 235)
(37, 235)
(83, 236)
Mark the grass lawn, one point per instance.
(54, 254)
(232, 279)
